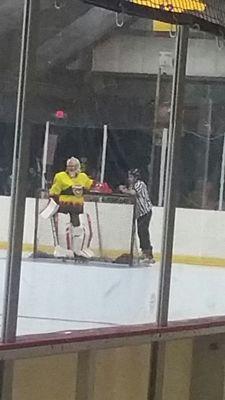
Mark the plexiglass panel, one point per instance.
(197, 287)
(102, 94)
(10, 45)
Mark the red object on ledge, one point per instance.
(102, 188)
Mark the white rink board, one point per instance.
(112, 231)
(197, 232)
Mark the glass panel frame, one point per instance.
(21, 166)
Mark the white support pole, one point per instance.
(44, 158)
(104, 149)
(102, 176)
(162, 167)
(222, 176)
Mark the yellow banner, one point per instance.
(177, 6)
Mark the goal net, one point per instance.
(111, 219)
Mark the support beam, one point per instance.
(21, 154)
(85, 375)
(81, 34)
(6, 379)
(175, 129)
(157, 378)
(58, 19)
(20, 169)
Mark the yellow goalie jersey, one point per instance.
(69, 189)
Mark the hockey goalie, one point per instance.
(71, 227)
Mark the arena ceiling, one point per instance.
(67, 32)
(209, 15)
(69, 28)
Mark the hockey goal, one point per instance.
(111, 225)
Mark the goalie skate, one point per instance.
(60, 252)
(147, 261)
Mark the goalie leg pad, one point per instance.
(78, 237)
(63, 248)
(85, 221)
(63, 221)
(81, 236)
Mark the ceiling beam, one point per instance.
(79, 35)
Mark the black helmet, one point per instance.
(135, 172)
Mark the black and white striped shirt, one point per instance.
(144, 204)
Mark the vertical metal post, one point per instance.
(133, 233)
(104, 150)
(85, 375)
(19, 183)
(159, 349)
(176, 118)
(36, 215)
(44, 158)
(207, 150)
(222, 176)
(102, 177)
(98, 229)
(162, 167)
(157, 368)
(156, 111)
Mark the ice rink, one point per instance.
(63, 296)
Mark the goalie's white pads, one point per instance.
(81, 237)
(50, 210)
(64, 230)
(78, 239)
(72, 240)
(85, 221)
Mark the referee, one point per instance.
(143, 212)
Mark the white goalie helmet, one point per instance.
(73, 166)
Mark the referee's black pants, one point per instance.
(143, 233)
